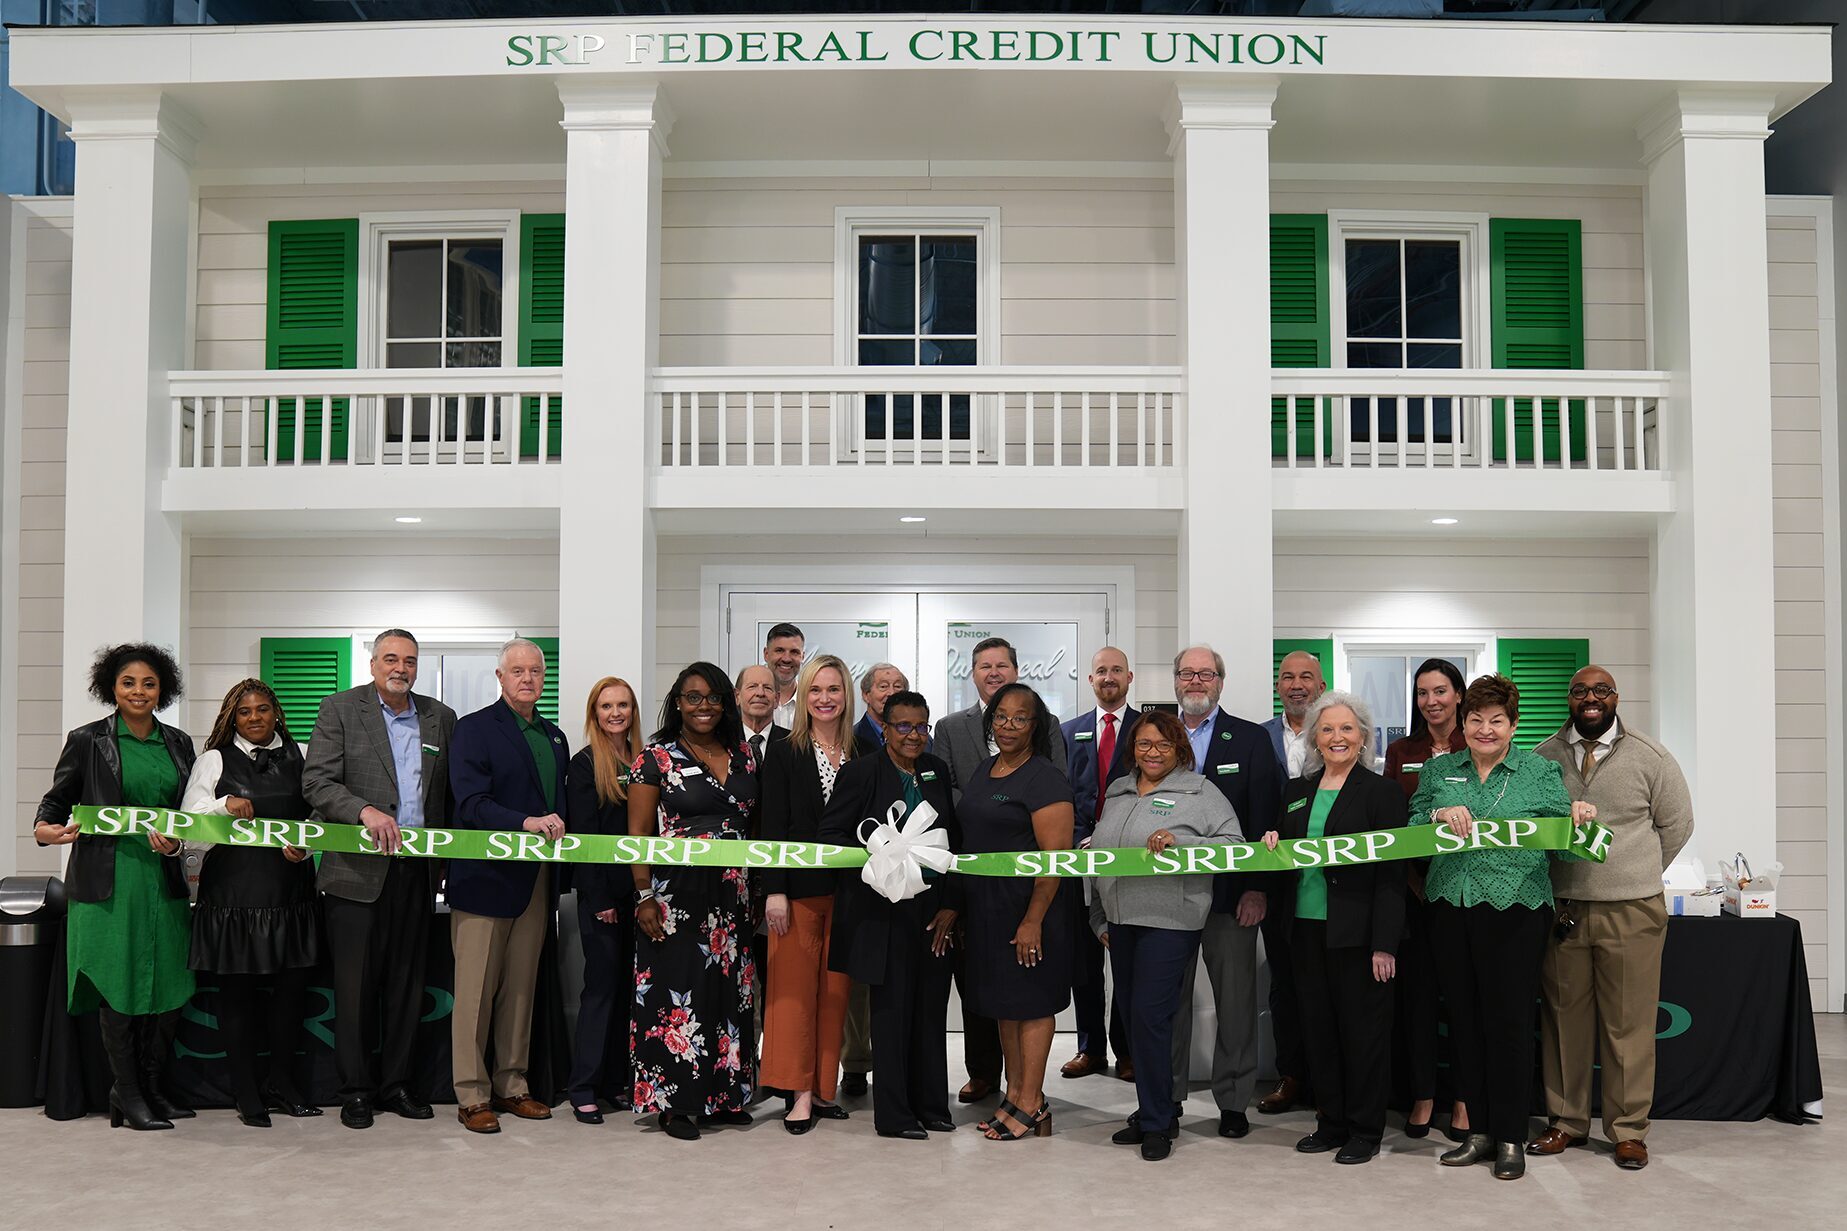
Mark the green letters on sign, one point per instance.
(541, 323)
(313, 322)
(304, 671)
(1542, 667)
(1537, 305)
(1299, 323)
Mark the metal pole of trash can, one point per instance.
(30, 907)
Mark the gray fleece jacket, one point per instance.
(1191, 809)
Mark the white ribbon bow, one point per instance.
(900, 848)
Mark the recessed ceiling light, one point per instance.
(1442, 521)
(409, 521)
(910, 519)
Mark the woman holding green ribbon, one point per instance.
(1490, 910)
(127, 935)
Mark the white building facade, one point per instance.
(1388, 339)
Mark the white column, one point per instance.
(1221, 149)
(614, 141)
(1714, 617)
(132, 215)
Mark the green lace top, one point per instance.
(1522, 785)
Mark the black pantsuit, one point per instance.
(1346, 1033)
(910, 1013)
(600, 1052)
(1151, 966)
(378, 960)
(1489, 962)
(1285, 1015)
(1415, 1029)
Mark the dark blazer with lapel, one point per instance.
(1081, 763)
(349, 767)
(89, 771)
(1365, 901)
(864, 922)
(599, 886)
(960, 742)
(790, 811)
(868, 732)
(496, 786)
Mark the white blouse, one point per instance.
(204, 780)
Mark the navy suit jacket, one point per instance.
(1081, 763)
(495, 786)
(1275, 727)
(871, 734)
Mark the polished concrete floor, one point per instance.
(213, 1172)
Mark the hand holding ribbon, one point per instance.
(900, 847)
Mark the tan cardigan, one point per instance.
(1642, 798)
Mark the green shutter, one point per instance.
(541, 322)
(1299, 320)
(548, 699)
(313, 322)
(304, 671)
(1537, 280)
(1541, 667)
(1321, 647)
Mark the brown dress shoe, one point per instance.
(479, 1118)
(1281, 1099)
(1554, 1140)
(1083, 1065)
(977, 1089)
(1631, 1155)
(524, 1106)
(1125, 1070)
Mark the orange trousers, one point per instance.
(807, 1010)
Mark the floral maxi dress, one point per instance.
(692, 1036)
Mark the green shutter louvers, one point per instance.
(1542, 667)
(1537, 318)
(1299, 322)
(304, 671)
(313, 322)
(548, 697)
(541, 322)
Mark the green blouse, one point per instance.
(150, 779)
(1311, 890)
(1522, 785)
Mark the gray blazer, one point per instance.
(1189, 808)
(349, 767)
(959, 741)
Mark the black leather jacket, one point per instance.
(90, 772)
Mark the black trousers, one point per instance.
(378, 958)
(1087, 1001)
(1346, 1033)
(600, 1053)
(1285, 1017)
(910, 1020)
(980, 1035)
(1488, 961)
(249, 1031)
(1151, 966)
(1414, 1028)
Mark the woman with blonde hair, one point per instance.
(805, 1017)
(596, 796)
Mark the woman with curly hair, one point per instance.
(256, 926)
(126, 937)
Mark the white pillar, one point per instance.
(132, 216)
(1221, 149)
(614, 141)
(1714, 614)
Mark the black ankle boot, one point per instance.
(157, 1048)
(126, 1103)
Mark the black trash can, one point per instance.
(30, 910)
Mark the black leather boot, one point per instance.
(156, 1049)
(126, 1103)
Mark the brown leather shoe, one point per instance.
(479, 1118)
(1125, 1070)
(1631, 1155)
(1083, 1065)
(977, 1089)
(524, 1106)
(1554, 1140)
(1281, 1099)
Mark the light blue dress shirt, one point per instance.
(406, 735)
(1201, 739)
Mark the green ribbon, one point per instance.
(1550, 833)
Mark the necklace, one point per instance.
(1001, 763)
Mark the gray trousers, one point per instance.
(1230, 955)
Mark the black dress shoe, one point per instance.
(1315, 1143)
(1130, 1135)
(729, 1119)
(1156, 1146)
(831, 1111)
(914, 1133)
(289, 1102)
(680, 1128)
(593, 1116)
(939, 1126)
(356, 1113)
(1356, 1151)
(402, 1102)
(254, 1118)
(854, 1083)
(1234, 1124)
(796, 1127)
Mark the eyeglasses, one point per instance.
(911, 728)
(1013, 721)
(701, 700)
(1204, 677)
(1603, 692)
(1153, 745)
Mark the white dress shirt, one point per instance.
(1295, 748)
(784, 715)
(203, 781)
(1604, 742)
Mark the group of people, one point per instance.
(688, 969)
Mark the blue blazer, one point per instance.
(1081, 764)
(872, 735)
(496, 787)
(1275, 727)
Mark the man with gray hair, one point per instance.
(878, 682)
(379, 757)
(507, 772)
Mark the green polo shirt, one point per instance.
(539, 743)
(150, 779)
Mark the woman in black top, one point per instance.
(256, 923)
(596, 802)
(1022, 934)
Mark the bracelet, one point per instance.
(643, 895)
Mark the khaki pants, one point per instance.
(496, 966)
(1602, 988)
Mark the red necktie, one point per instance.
(1106, 752)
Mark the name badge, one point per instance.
(1411, 765)
(431, 750)
(691, 771)
(929, 775)
(1084, 735)
(1162, 805)
(1229, 769)
(1300, 803)
(1455, 779)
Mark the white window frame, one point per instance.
(851, 222)
(1477, 644)
(1471, 230)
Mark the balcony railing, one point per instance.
(1537, 422)
(366, 417)
(1034, 418)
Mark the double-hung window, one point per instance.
(443, 309)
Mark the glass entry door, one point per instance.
(861, 628)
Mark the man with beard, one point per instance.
(782, 654)
(1602, 973)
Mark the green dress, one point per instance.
(129, 952)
